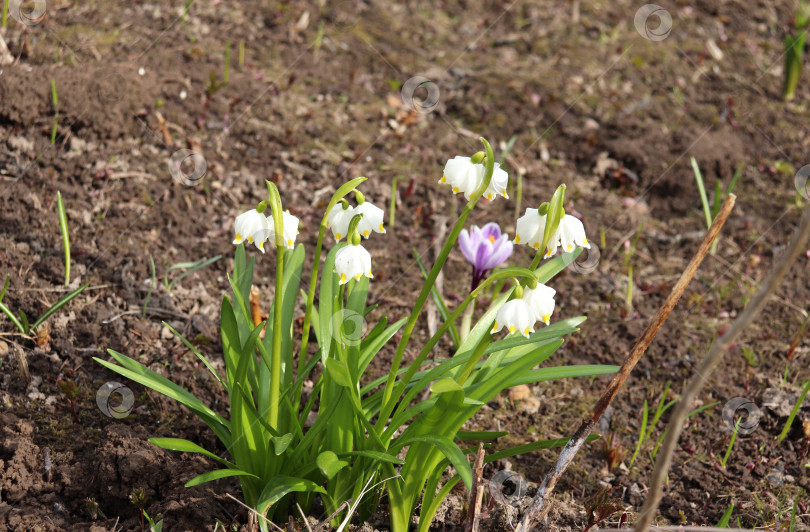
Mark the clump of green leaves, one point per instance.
(349, 438)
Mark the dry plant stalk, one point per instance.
(798, 246)
(476, 493)
(540, 505)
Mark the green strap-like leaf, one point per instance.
(59, 304)
(281, 485)
(177, 444)
(216, 475)
(449, 449)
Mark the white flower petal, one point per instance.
(290, 228)
(530, 228)
(339, 220)
(252, 227)
(516, 316)
(541, 301)
(497, 186)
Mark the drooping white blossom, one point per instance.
(252, 227)
(372, 219)
(465, 176)
(516, 316)
(352, 261)
(541, 300)
(569, 234)
(339, 219)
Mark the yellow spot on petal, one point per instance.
(327, 225)
(526, 331)
(517, 239)
(490, 196)
(250, 239)
(492, 238)
(369, 275)
(238, 238)
(358, 276)
(381, 227)
(455, 190)
(261, 246)
(337, 236)
(536, 245)
(365, 233)
(443, 179)
(511, 328)
(289, 242)
(585, 242)
(569, 247)
(546, 318)
(342, 277)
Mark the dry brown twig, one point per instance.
(476, 493)
(798, 246)
(540, 505)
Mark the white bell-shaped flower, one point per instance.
(352, 261)
(339, 219)
(497, 186)
(465, 176)
(541, 300)
(516, 316)
(462, 175)
(530, 228)
(571, 233)
(372, 219)
(252, 227)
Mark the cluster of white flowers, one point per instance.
(254, 227)
(520, 315)
(464, 175)
(353, 260)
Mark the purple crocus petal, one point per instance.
(482, 255)
(467, 246)
(501, 250)
(491, 230)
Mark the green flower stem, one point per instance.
(274, 202)
(505, 273)
(466, 323)
(479, 352)
(313, 281)
(536, 261)
(388, 400)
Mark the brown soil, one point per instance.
(592, 104)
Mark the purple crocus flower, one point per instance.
(485, 248)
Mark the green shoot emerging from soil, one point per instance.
(719, 195)
(308, 422)
(794, 49)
